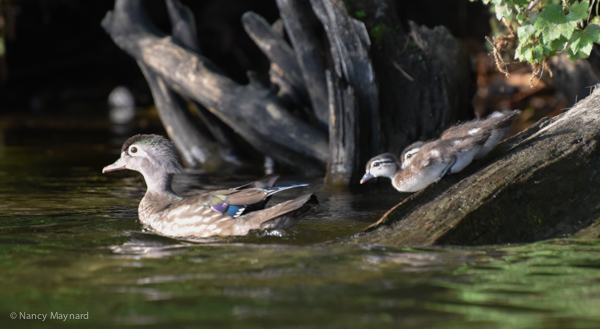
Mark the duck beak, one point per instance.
(366, 177)
(118, 165)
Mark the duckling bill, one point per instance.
(224, 212)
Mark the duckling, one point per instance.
(224, 212)
(495, 126)
(429, 163)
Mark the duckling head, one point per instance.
(409, 153)
(383, 165)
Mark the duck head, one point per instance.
(153, 156)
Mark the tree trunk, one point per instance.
(541, 184)
(425, 77)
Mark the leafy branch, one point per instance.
(544, 28)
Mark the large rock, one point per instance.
(543, 183)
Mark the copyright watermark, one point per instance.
(49, 316)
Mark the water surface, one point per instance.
(70, 243)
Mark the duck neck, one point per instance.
(159, 183)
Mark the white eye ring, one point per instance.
(136, 151)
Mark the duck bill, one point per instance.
(118, 165)
(366, 177)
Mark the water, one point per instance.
(70, 243)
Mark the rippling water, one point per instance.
(70, 243)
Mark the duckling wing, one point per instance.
(462, 130)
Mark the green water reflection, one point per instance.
(70, 243)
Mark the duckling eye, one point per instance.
(133, 149)
(408, 156)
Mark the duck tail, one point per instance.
(283, 187)
(283, 215)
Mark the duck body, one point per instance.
(492, 128)
(495, 126)
(234, 211)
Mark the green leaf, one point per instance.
(2, 48)
(567, 28)
(528, 54)
(594, 31)
(525, 31)
(582, 42)
(360, 14)
(550, 16)
(553, 22)
(578, 11)
(571, 55)
(503, 11)
(539, 54)
(558, 44)
(555, 32)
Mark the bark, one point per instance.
(183, 33)
(300, 24)
(285, 71)
(540, 184)
(343, 141)
(425, 77)
(193, 142)
(354, 84)
(195, 146)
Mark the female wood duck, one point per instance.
(429, 163)
(495, 126)
(226, 212)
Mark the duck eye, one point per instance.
(376, 164)
(133, 149)
(408, 156)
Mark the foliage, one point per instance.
(544, 28)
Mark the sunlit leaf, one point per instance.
(583, 41)
(504, 10)
(578, 11)
(525, 31)
(550, 16)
